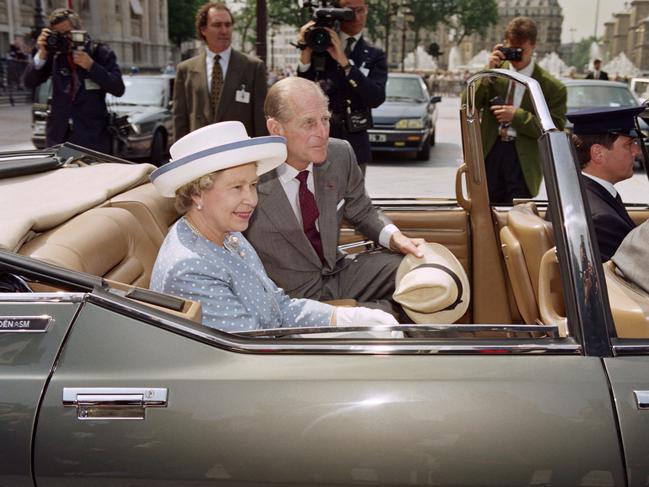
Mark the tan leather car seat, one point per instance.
(524, 241)
(154, 212)
(629, 305)
(105, 242)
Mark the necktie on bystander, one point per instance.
(216, 84)
(310, 214)
(349, 46)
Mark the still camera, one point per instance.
(59, 42)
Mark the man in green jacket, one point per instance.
(510, 127)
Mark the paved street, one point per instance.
(390, 175)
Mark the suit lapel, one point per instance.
(326, 194)
(610, 200)
(232, 83)
(199, 85)
(275, 205)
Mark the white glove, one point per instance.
(347, 316)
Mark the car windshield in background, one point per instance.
(404, 89)
(583, 96)
(140, 91)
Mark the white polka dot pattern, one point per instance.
(235, 292)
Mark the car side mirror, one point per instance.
(435, 99)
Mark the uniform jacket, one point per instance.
(86, 105)
(612, 222)
(279, 239)
(363, 88)
(192, 109)
(525, 122)
(231, 284)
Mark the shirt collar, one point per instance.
(344, 37)
(607, 185)
(225, 55)
(286, 172)
(527, 70)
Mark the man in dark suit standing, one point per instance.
(597, 72)
(220, 83)
(606, 143)
(353, 75)
(81, 77)
(302, 203)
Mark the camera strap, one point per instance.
(74, 78)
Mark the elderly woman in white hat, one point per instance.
(212, 175)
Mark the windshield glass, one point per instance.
(583, 96)
(404, 88)
(140, 91)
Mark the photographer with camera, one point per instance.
(509, 126)
(350, 71)
(82, 73)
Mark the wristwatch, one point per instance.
(347, 68)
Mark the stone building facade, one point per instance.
(137, 30)
(628, 32)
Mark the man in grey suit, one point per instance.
(220, 83)
(302, 204)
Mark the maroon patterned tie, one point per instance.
(310, 214)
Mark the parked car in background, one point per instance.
(405, 122)
(640, 87)
(141, 119)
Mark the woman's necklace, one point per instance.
(230, 242)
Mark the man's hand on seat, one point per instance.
(406, 245)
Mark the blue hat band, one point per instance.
(170, 166)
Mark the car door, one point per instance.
(31, 333)
(141, 398)
(629, 376)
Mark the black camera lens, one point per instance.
(57, 42)
(318, 39)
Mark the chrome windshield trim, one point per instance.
(240, 344)
(538, 99)
(53, 297)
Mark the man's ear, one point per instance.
(274, 127)
(596, 153)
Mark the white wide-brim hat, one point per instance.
(213, 148)
(433, 288)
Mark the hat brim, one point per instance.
(437, 254)
(267, 152)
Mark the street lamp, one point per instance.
(407, 17)
(39, 20)
(393, 10)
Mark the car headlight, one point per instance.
(410, 123)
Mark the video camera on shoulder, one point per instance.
(512, 53)
(58, 42)
(317, 37)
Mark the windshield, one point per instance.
(409, 88)
(140, 91)
(583, 96)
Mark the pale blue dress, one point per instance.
(231, 284)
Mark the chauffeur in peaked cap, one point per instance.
(607, 143)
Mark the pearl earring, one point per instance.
(199, 206)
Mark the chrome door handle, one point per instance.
(103, 403)
(641, 399)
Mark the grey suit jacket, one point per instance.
(278, 238)
(192, 109)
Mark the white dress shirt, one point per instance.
(607, 185)
(519, 90)
(287, 178)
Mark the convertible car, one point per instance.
(544, 381)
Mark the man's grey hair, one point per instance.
(278, 104)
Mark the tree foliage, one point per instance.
(472, 17)
(581, 54)
(181, 15)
